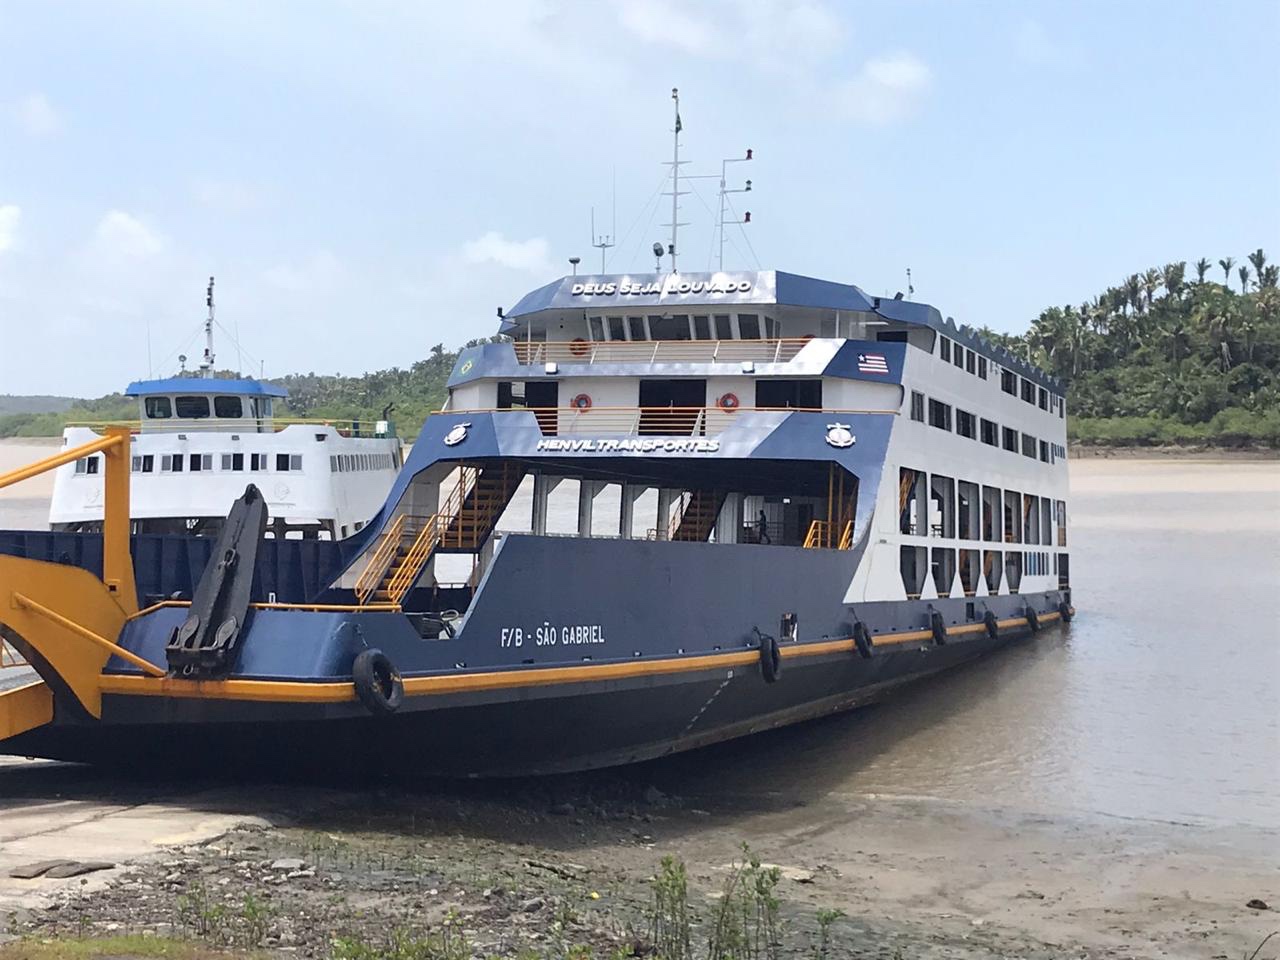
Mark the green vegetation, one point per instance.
(108, 948)
(1162, 358)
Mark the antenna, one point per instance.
(206, 363)
(602, 241)
(151, 370)
(910, 288)
(573, 262)
(724, 192)
(675, 223)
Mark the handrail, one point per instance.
(817, 534)
(84, 632)
(244, 424)
(409, 568)
(846, 538)
(776, 350)
(378, 564)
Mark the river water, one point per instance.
(1160, 701)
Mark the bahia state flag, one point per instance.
(872, 363)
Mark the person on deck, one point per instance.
(763, 532)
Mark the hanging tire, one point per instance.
(377, 681)
(1065, 611)
(938, 628)
(1033, 620)
(770, 658)
(992, 624)
(862, 640)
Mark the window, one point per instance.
(966, 425)
(157, 408)
(288, 461)
(1046, 523)
(1010, 437)
(1008, 382)
(1028, 446)
(1028, 391)
(990, 433)
(233, 461)
(969, 560)
(171, 463)
(1013, 570)
(1060, 508)
(789, 394)
(910, 519)
(228, 408)
(1044, 450)
(991, 570)
(911, 564)
(136, 465)
(967, 510)
(939, 415)
(669, 328)
(958, 356)
(982, 367)
(749, 326)
(969, 361)
(596, 327)
(258, 461)
(1012, 516)
(1030, 519)
(201, 461)
(616, 329)
(1044, 399)
(991, 514)
(943, 569)
(636, 326)
(942, 506)
(1062, 407)
(192, 408)
(701, 328)
(944, 349)
(917, 406)
(87, 465)
(724, 327)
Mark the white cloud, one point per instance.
(319, 271)
(886, 89)
(123, 235)
(532, 255)
(37, 117)
(10, 217)
(669, 24)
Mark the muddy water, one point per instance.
(1161, 701)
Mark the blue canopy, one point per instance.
(245, 387)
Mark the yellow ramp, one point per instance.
(25, 708)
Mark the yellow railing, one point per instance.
(817, 535)
(658, 351)
(846, 538)
(407, 572)
(388, 546)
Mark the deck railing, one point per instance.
(346, 428)
(658, 351)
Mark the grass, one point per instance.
(89, 948)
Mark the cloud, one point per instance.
(226, 196)
(10, 217)
(532, 255)
(319, 271)
(123, 235)
(886, 89)
(668, 24)
(36, 116)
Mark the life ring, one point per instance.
(1033, 621)
(938, 628)
(377, 682)
(579, 347)
(862, 640)
(770, 658)
(992, 624)
(582, 401)
(728, 402)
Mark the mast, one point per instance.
(675, 223)
(206, 364)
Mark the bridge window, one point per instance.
(939, 414)
(596, 326)
(789, 394)
(748, 326)
(724, 326)
(617, 330)
(157, 408)
(228, 408)
(911, 564)
(992, 569)
(965, 424)
(944, 570)
(991, 514)
(635, 325)
(701, 327)
(917, 406)
(191, 408)
(942, 496)
(990, 433)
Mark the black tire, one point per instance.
(938, 628)
(862, 641)
(992, 624)
(378, 683)
(1033, 619)
(770, 658)
(1065, 611)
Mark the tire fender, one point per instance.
(938, 628)
(862, 641)
(770, 658)
(1033, 619)
(992, 624)
(377, 681)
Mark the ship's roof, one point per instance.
(246, 386)
(708, 291)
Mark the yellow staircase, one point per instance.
(465, 521)
(697, 515)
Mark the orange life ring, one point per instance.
(582, 401)
(579, 347)
(728, 402)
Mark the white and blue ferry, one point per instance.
(791, 497)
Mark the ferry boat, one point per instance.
(844, 492)
(199, 439)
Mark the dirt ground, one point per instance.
(562, 865)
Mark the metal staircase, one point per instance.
(465, 521)
(696, 516)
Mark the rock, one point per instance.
(1256, 904)
(76, 868)
(32, 870)
(298, 874)
(532, 906)
(287, 863)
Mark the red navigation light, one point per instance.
(747, 217)
(748, 153)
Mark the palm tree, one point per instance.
(1226, 264)
(1259, 261)
(1173, 276)
(1202, 267)
(1133, 291)
(1150, 280)
(1243, 273)
(1269, 277)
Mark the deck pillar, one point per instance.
(627, 508)
(663, 525)
(543, 484)
(587, 492)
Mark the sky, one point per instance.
(367, 179)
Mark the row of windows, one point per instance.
(988, 431)
(351, 462)
(973, 362)
(198, 407)
(683, 326)
(934, 505)
(199, 463)
(993, 567)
